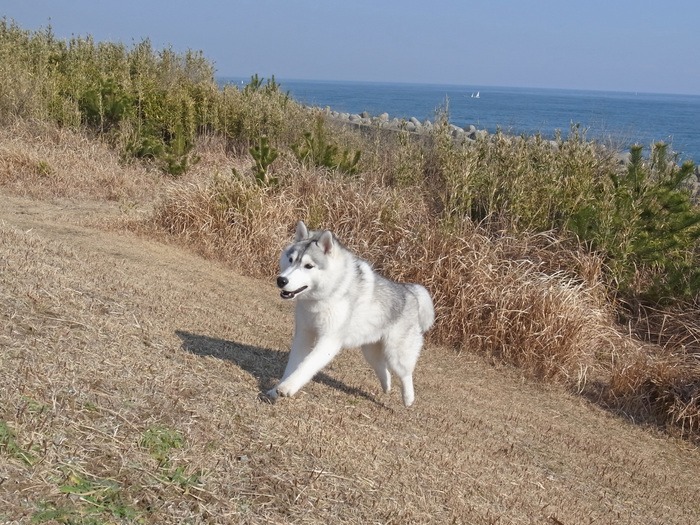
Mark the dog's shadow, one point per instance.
(265, 365)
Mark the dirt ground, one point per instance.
(105, 335)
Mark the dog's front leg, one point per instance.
(323, 353)
(302, 345)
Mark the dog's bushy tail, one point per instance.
(426, 311)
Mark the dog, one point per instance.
(341, 302)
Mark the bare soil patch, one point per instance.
(108, 339)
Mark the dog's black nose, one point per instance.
(282, 281)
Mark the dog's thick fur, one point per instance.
(341, 302)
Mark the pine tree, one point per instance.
(655, 226)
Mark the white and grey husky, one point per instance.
(341, 303)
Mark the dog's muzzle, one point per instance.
(284, 294)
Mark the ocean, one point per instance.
(615, 118)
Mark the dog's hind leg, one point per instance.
(407, 392)
(374, 354)
(402, 355)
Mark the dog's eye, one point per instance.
(308, 266)
(291, 260)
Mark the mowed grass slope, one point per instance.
(130, 382)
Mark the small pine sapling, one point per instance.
(264, 155)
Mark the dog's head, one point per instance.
(302, 261)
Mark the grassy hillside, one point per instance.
(131, 370)
(130, 376)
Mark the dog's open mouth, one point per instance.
(284, 294)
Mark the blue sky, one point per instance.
(617, 45)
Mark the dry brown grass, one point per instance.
(662, 382)
(41, 160)
(660, 386)
(486, 301)
(530, 301)
(130, 377)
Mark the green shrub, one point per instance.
(407, 162)
(258, 110)
(646, 223)
(514, 182)
(641, 217)
(152, 105)
(317, 149)
(264, 155)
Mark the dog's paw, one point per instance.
(272, 394)
(265, 397)
(281, 390)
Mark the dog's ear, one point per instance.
(302, 232)
(325, 241)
